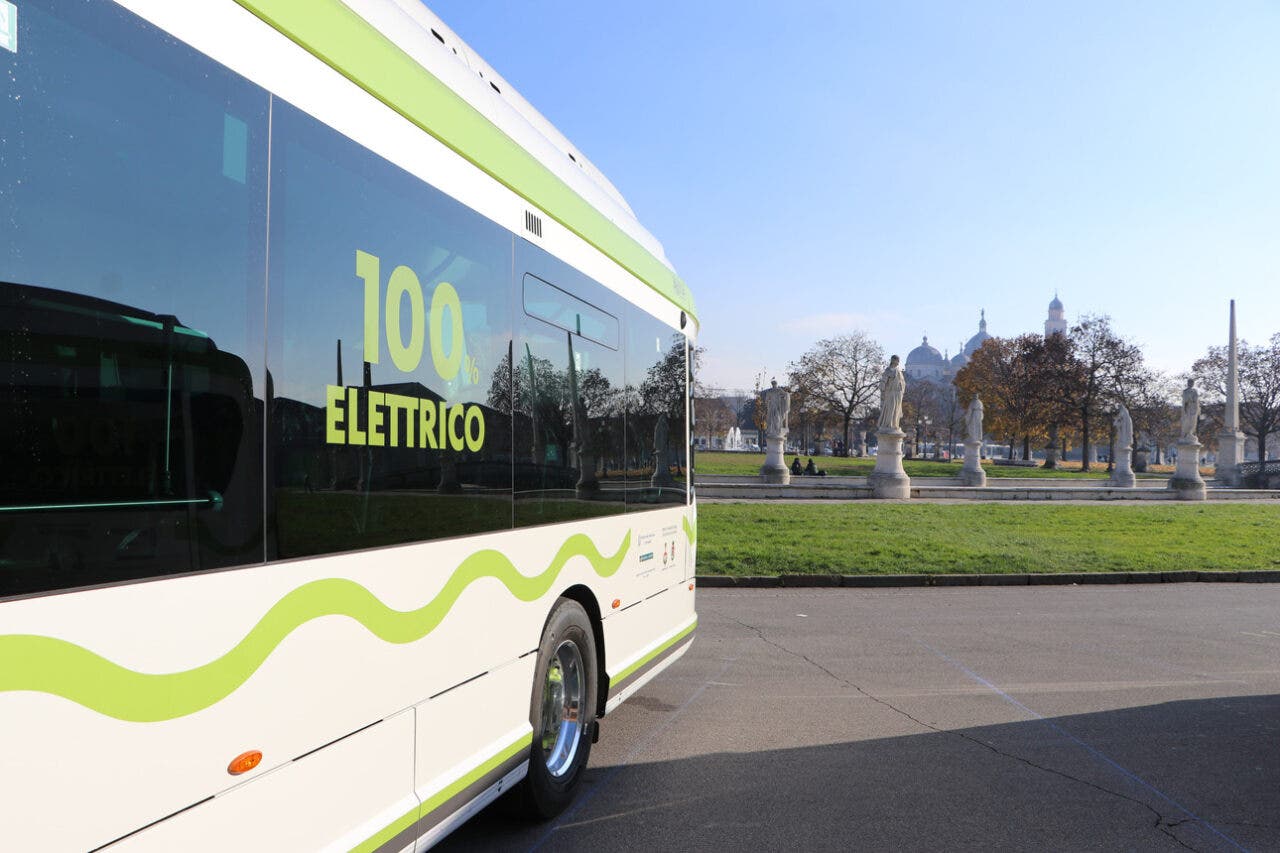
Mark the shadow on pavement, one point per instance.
(1199, 774)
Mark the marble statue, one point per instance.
(777, 404)
(661, 454)
(1186, 481)
(893, 384)
(1190, 412)
(973, 419)
(971, 474)
(1122, 469)
(888, 480)
(1124, 429)
(777, 409)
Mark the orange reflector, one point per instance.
(244, 762)
(617, 602)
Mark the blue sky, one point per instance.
(897, 166)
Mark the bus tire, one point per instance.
(562, 712)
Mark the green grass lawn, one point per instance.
(771, 538)
(711, 462)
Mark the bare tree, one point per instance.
(1103, 356)
(1001, 371)
(713, 415)
(1259, 386)
(842, 374)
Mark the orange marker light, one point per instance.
(244, 762)
(617, 602)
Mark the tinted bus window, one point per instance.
(390, 309)
(132, 197)
(657, 371)
(568, 396)
(565, 311)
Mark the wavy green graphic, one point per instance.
(690, 531)
(49, 665)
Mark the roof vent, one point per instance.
(533, 223)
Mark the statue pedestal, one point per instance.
(888, 480)
(774, 470)
(1186, 480)
(1122, 475)
(1230, 455)
(972, 474)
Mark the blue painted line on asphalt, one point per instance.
(1089, 748)
(587, 796)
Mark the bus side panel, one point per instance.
(334, 798)
(347, 641)
(458, 752)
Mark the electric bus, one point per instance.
(344, 432)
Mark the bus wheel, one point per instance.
(562, 712)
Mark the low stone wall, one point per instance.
(855, 488)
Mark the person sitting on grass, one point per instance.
(811, 470)
(795, 467)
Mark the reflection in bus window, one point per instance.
(657, 368)
(131, 271)
(390, 312)
(568, 398)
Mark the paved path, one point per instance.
(1051, 718)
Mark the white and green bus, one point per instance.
(344, 416)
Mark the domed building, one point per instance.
(1056, 322)
(925, 362)
(977, 340)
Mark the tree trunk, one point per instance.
(1084, 439)
(1026, 448)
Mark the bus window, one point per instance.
(565, 311)
(390, 309)
(657, 371)
(131, 281)
(568, 396)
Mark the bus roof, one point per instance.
(404, 55)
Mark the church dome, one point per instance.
(959, 360)
(1056, 304)
(925, 355)
(977, 340)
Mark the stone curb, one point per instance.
(1046, 579)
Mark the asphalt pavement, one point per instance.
(1141, 717)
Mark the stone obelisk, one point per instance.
(1231, 439)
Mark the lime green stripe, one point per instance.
(441, 797)
(613, 682)
(354, 48)
(49, 665)
(388, 832)
(690, 530)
